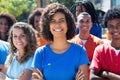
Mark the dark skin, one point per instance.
(104, 75)
(114, 29)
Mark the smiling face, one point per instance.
(36, 22)
(58, 25)
(19, 39)
(114, 28)
(84, 22)
(3, 25)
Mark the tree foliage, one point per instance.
(18, 8)
(21, 8)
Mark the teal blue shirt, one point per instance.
(15, 68)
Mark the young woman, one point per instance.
(22, 46)
(34, 19)
(59, 60)
(6, 21)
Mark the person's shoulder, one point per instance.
(79, 46)
(42, 48)
(103, 46)
(74, 39)
(106, 41)
(96, 39)
(4, 42)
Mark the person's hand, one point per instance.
(80, 75)
(104, 75)
(2, 76)
(37, 75)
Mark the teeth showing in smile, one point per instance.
(19, 43)
(84, 27)
(58, 30)
(115, 33)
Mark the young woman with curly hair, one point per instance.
(22, 47)
(59, 60)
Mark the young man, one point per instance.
(89, 41)
(106, 60)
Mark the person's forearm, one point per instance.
(113, 76)
(3, 69)
(98, 78)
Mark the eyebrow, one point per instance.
(118, 23)
(59, 19)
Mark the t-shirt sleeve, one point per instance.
(7, 59)
(37, 60)
(28, 64)
(83, 57)
(96, 63)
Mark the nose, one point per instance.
(18, 38)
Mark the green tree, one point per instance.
(19, 8)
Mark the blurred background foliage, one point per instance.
(21, 8)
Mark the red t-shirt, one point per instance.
(106, 59)
(90, 45)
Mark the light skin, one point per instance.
(20, 42)
(84, 24)
(58, 28)
(36, 23)
(114, 29)
(3, 27)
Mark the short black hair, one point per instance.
(111, 14)
(47, 15)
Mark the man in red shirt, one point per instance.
(89, 41)
(84, 37)
(106, 59)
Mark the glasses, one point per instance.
(61, 21)
(117, 27)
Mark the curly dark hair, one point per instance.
(10, 19)
(47, 15)
(36, 12)
(91, 10)
(89, 7)
(111, 14)
(31, 39)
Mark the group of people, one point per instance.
(47, 47)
